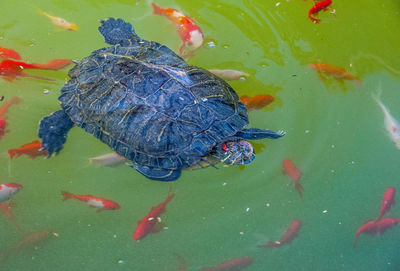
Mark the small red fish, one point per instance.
(336, 72)
(289, 235)
(31, 149)
(256, 102)
(294, 173)
(5, 207)
(92, 201)
(182, 263)
(9, 53)
(3, 116)
(8, 190)
(317, 8)
(148, 223)
(374, 227)
(387, 201)
(188, 30)
(231, 265)
(10, 69)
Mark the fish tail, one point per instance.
(270, 244)
(355, 242)
(15, 100)
(67, 195)
(157, 9)
(299, 188)
(12, 153)
(55, 64)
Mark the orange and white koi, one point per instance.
(147, 224)
(392, 126)
(109, 160)
(228, 74)
(8, 190)
(9, 53)
(92, 201)
(336, 72)
(60, 22)
(190, 33)
(32, 150)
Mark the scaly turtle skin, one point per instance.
(151, 107)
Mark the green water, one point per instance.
(335, 136)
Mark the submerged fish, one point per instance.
(109, 160)
(392, 126)
(318, 6)
(92, 201)
(374, 227)
(257, 101)
(289, 235)
(9, 53)
(231, 265)
(32, 150)
(229, 74)
(294, 173)
(8, 190)
(387, 201)
(60, 21)
(3, 117)
(336, 72)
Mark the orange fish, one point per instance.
(31, 149)
(60, 22)
(5, 207)
(9, 53)
(289, 235)
(3, 111)
(92, 201)
(10, 69)
(374, 227)
(256, 102)
(387, 201)
(188, 30)
(148, 223)
(294, 173)
(336, 72)
(231, 265)
(317, 8)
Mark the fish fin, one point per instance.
(67, 195)
(12, 153)
(157, 9)
(159, 226)
(270, 244)
(55, 64)
(355, 242)
(299, 188)
(138, 222)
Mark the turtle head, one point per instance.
(236, 152)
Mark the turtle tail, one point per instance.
(117, 31)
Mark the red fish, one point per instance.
(182, 263)
(95, 202)
(231, 265)
(256, 102)
(289, 235)
(9, 53)
(387, 201)
(188, 30)
(294, 173)
(10, 69)
(8, 190)
(3, 116)
(5, 207)
(31, 149)
(374, 227)
(148, 223)
(317, 8)
(336, 72)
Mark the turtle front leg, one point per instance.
(53, 131)
(254, 133)
(158, 174)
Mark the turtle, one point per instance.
(150, 106)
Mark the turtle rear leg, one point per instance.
(254, 133)
(158, 174)
(53, 131)
(116, 31)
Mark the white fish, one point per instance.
(109, 160)
(391, 124)
(229, 74)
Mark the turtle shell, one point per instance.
(148, 105)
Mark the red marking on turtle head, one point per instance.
(224, 147)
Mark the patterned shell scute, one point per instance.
(148, 105)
